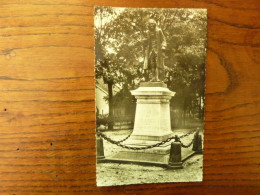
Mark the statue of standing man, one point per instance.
(154, 48)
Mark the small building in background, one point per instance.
(123, 112)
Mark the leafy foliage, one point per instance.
(120, 33)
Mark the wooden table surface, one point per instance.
(47, 119)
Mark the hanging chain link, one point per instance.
(191, 132)
(186, 146)
(118, 143)
(124, 138)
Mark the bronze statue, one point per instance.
(154, 47)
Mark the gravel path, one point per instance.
(122, 174)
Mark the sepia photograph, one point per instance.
(150, 68)
(130, 97)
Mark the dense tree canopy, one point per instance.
(119, 36)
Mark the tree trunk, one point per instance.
(110, 105)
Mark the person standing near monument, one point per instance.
(154, 48)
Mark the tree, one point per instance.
(120, 52)
(105, 68)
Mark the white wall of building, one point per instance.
(101, 104)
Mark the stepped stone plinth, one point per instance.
(152, 125)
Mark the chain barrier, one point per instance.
(186, 146)
(124, 138)
(191, 132)
(118, 143)
(131, 147)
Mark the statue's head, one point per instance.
(151, 24)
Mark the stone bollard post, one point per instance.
(199, 149)
(195, 141)
(100, 149)
(175, 156)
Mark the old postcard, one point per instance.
(150, 94)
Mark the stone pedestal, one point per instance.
(152, 125)
(152, 118)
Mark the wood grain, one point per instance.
(47, 119)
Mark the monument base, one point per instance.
(152, 118)
(152, 125)
(158, 156)
(155, 156)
